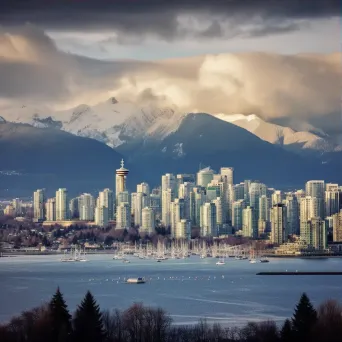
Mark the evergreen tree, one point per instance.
(303, 320)
(60, 318)
(88, 324)
(286, 331)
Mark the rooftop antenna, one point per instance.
(122, 163)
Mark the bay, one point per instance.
(188, 289)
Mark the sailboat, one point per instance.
(252, 259)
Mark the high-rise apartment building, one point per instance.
(316, 189)
(62, 212)
(279, 225)
(292, 208)
(123, 216)
(106, 199)
(148, 221)
(238, 207)
(208, 219)
(205, 176)
(51, 209)
(319, 234)
(177, 213)
(87, 207)
(183, 229)
(337, 227)
(332, 202)
(101, 214)
(39, 205)
(249, 222)
(228, 174)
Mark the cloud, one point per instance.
(168, 19)
(270, 85)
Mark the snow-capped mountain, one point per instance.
(110, 122)
(297, 141)
(115, 123)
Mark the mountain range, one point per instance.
(115, 123)
(68, 148)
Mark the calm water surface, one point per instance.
(188, 289)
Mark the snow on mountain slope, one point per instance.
(111, 122)
(276, 134)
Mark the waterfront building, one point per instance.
(208, 220)
(137, 206)
(292, 207)
(177, 213)
(39, 205)
(74, 208)
(123, 216)
(51, 209)
(87, 207)
(168, 195)
(249, 222)
(337, 227)
(238, 207)
(279, 232)
(183, 229)
(147, 221)
(319, 234)
(167, 198)
(197, 199)
(256, 190)
(219, 213)
(62, 212)
(106, 199)
(101, 214)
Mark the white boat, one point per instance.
(221, 262)
(264, 260)
(139, 280)
(253, 261)
(125, 261)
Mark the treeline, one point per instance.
(53, 323)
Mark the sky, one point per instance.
(159, 29)
(275, 58)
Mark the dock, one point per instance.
(300, 273)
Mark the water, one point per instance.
(188, 289)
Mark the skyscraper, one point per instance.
(183, 229)
(39, 205)
(292, 207)
(238, 206)
(106, 200)
(51, 209)
(148, 221)
(249, 222)
(62, 204)
(228, 173)
(337, 227)
(315, 189)
(177, 213)
(279, 225)
(319, 234)
(332, 202)
(168, 194)
(123, 216)
(208, 220)
(101, 214)
(205, 176)
(87, 207)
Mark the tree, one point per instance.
(60, 318)
(88, 325)
(286, 331)
(303, 320)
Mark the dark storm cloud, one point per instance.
(161, 17)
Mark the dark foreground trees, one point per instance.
(53, 322)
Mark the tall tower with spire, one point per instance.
(120, 179)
